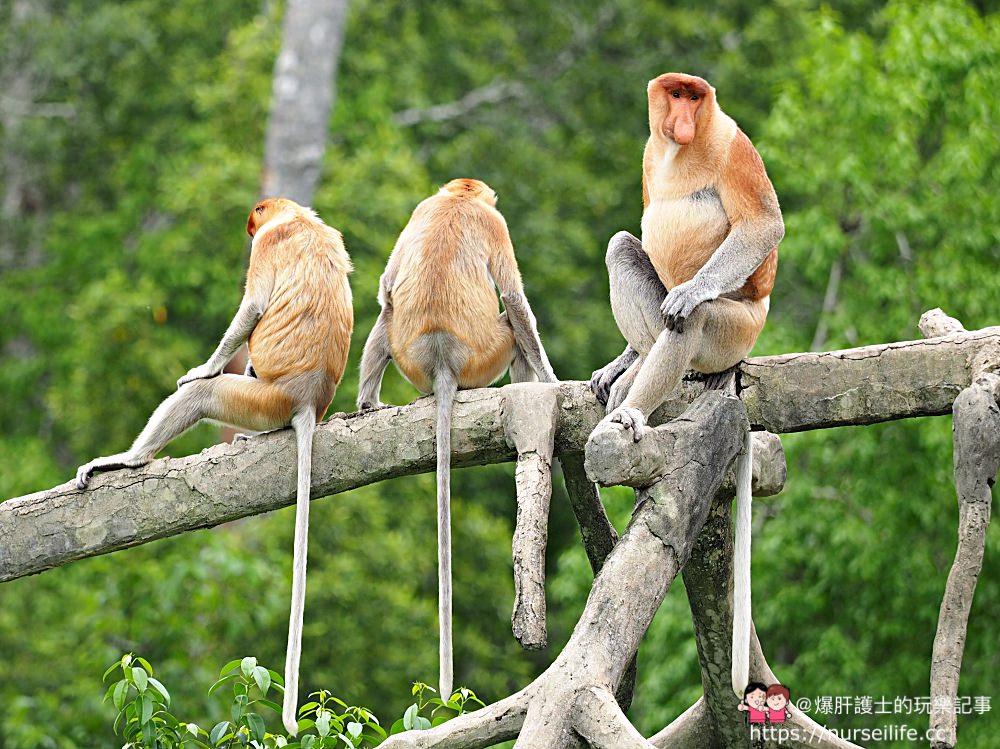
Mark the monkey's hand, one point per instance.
(630, 418)
(201, 372)
(682, 300)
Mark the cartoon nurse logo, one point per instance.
(765, 704)
(777, 703)
(754, 703)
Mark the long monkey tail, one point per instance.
(445, 387)
(741, 569)
(304, 424)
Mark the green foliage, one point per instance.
(144, 719)
(124, 186)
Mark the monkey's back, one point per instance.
(443, 286)
(306, 327)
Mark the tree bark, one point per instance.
(302, 97)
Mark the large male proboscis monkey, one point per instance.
(694, 293)
(296, 316)
(441, 324)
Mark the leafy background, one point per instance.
(131, 138)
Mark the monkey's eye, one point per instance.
(694, 97)
(677, 94)
(259, 209)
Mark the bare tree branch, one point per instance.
(977, 460)
(170, 496)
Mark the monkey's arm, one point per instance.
(756, 228)
(502, 267)
(377, 354)
(522, 320)
(374, 360)
(258, 291)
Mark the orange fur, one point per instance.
(449, 256)
(307, 325)
(679, 234)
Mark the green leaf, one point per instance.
(323, 723)
(410, 716)
(118, 692)
(268, 703)
(378, 730)
(422, 723)
(247, 666)
(217, 732)
(308, 741)
(397, 727)
(354, 729)
(262, 678)
(111, 668)
(145, 664)
(229, 667)
(149, 734)
(140, 678)
(276, 678)
(220, 682)
(193, 729)
(307, 707)
(161, 689)
(147, 708)
(256, 725)
(239, 707)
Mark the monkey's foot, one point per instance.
(602, 380)
(370, 406)
(630, 418)
(83, 474)
(724, 381)
(110, 463)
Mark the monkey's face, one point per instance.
(676, 101)
(265, 210)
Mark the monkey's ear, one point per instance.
(250, 225)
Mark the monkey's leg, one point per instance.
(232, 399)
(636, 292)
(522, 322)
(716, 336)
(374, 360)
(661, 370)
(620, 390)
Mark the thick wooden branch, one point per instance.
(170, 496)
(976, 429)
(530, 412)
(708, 580)
(602, 723)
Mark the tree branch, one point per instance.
(786, 393)
(977, 460)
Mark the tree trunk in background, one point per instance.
(302, 98)
(301, 101)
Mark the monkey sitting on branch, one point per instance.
(441, 324)
(694, 293)
(297, 318)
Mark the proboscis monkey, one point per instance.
(441, 324)
(297, 314)
(694, 294)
